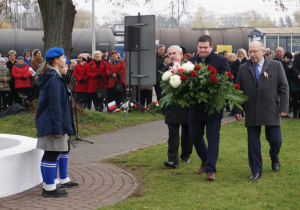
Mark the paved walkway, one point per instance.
(99, 184)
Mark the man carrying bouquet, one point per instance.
(264, 82)
(176, 116)
(200, 118)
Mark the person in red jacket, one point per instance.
(97, 78)
(80, 75)
(22, 72)
(116, 73)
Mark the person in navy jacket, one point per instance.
(200, 119)
(54, 122)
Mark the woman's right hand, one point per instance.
(58, 136)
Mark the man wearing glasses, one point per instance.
(265, 83)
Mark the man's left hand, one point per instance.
(282, 114)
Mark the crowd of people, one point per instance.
(91, 73)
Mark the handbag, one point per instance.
(101, 92)
(119, 87)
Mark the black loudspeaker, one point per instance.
(132, 38)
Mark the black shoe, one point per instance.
(54, 193)
(186, 160)
(68, 185)
(171, 164)
(255, 176)
(276, 165)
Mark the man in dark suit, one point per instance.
(176, 116)
(105, 55)
(200, 119)
(160, 50)
(265, 83)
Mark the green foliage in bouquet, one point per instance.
(192, 84)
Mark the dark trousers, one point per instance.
(209, 154)
(81, 98)
(296, 104)
(3, 100)
(146, 95)
(98, 102)
(158, 90)
(173, 142)
(273, 136)
(113, 96)
(12, 93)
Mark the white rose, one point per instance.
(188, 67)
(175, 81)
(166, 76)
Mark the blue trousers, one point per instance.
(273, 136)
(209, 154)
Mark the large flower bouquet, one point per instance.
(190, 84)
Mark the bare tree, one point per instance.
(280, 5)
(288, 21)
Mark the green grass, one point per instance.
(163, 188)
(89, 122)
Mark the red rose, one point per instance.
(237, 86)
(197, 67)
(180, 70)
(213, 78)
(183, 77)
(194, 74)
(229, 74)
(213, 71)
(209, 67)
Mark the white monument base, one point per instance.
(19, 164)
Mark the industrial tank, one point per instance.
(19, 39)
(187, 38)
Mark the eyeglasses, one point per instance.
(254, 51)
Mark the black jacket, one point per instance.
(197, 112)
(235, 68)
(175, 114)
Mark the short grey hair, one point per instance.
(97, 52)
(179, 49)
(259, 43)
(280, 48)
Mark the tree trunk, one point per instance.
(58, 21)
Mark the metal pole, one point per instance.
(139, 62)
(93, 27)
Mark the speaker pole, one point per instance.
(139, 62)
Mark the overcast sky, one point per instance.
(218, 6)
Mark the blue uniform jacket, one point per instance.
(54, 113)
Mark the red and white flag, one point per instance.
(112, 105)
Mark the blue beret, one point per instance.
(54, 53)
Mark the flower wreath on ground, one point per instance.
(190, 84)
